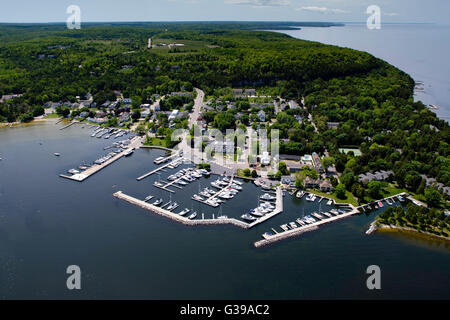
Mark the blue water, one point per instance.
(421, 50)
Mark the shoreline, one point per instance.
(391, 228)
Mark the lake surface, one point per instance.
(421, 50)
(48, 223)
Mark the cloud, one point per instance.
(321, 10)
(260, 3)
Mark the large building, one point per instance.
(173, 115)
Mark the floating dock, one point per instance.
(148, 174)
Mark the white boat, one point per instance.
(212, 203)
(248, 217)
(330, 202)
(73, 171)
(284, 227)
(293, 225)
(267, 196)
(128, 153)
(300, 194)
(237, 182)
(193, 216)
(57, 154)
(157, 202)
(256, 213)
(197, 197)
(236, 187)
(182, 213)
(148, 198)
(173, 206)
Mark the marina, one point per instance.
(96, 167)
(308, 224)
(148, 174)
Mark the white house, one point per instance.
(173, 115)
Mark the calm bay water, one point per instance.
(421, 50)
(48, 223)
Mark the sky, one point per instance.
(432, 11)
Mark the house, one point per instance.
(173, 115)
(311, 183)
(97, 120)
(224, 147)
(293, 105)
(332, 125)
(145, 113)
(237, 92)
(185, 94)
(84, 114)
(381, 175)
(316, 162)
(326, 186)
(85, 103)
(293, 166)
(127, 101)
(287, 180)
(231, 106)
(100, 114)
(250, 92)
(125, 116)
(262, 116)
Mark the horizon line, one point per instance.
(213, 21)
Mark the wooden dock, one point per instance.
(148, 174)
(216, 194)
(70, 124)
(135, 144)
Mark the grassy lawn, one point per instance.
(349, 197)
(52, 116)
(388, 191)
(392, 190)
(156, 142)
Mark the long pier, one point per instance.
(175, 217)
(135, 144)
(269, 239)
(72, 123)
(148, 174)
(217, 193)
(302, 229)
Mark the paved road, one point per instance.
(197, 107)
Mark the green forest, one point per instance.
(371, 100)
